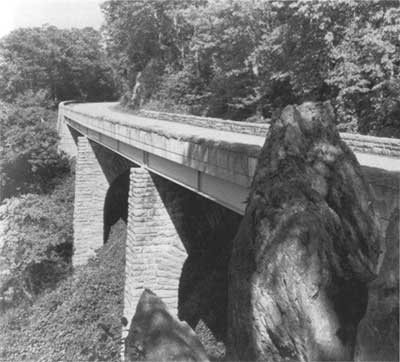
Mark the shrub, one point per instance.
(36, 248)
(77, 321)
(29, 156)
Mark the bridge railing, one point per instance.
(358, 143)
(383, 146)
(372, 145)
(210, 122)
(215, 164)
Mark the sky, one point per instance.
(61, 13)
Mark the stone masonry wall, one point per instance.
(358, 143)
(96, 169)
(210, 122)
(155, 252)
(90, 189)
(178, 245)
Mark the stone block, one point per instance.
(90, 190)
(156, 253)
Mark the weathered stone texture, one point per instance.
(166, 221)
(378, 335)
(155, 334)
(90, 191)
(96, 168)
(155, 253)
(386, 189)
(307, 247)
(210, 122)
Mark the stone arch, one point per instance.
(116, 203)
(111, 163)
(209, 229)
(116, 170)
(97, 168)
(206, 230)
(179, 245)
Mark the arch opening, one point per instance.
(206, 230)
(116, 203)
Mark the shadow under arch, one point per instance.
(203, 287)
(207, 230)
(116, 203)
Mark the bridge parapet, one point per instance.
(372, 145)
(251, 128)
(218, 162)
(357, 142)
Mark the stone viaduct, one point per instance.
(180, 183)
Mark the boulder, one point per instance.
(307, 248)
(378, 332)
(156, 335)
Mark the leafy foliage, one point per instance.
(367, 69)
(68, 64)
(79, 320)
(144, 36)
(29, 158)
(36, 247)
(236, 59)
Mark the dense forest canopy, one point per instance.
(68, 64)
(241, 58)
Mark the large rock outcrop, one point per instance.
(155, 335)
(307, 247)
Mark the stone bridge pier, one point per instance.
(96, 170)
(178, 242)
(178, 245)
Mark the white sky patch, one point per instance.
(7, 15)
(61, 13)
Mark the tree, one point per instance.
(231, 58)
(68, 64)
(80, 318)
(145, 36)
(36, 248)
(30, 160)
(225, 33)
(367, 69)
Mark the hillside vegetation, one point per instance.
(46, 312)
(36, 243)
(246, 59)
(40, 67)
(77, 321)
